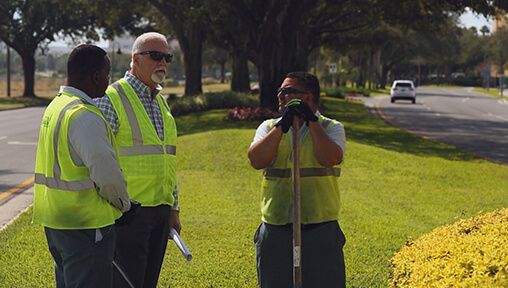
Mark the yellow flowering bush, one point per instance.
(468, 253)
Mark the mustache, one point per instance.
(163, 69)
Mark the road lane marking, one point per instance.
(502, 118)
(17, 188)
(21, 143)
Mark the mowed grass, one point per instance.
(394, 186)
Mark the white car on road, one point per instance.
(403, 90)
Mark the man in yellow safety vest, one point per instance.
(146, 133)
(79, 189)
(322, 146)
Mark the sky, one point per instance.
(469, 19)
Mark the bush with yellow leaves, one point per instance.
(468, 253)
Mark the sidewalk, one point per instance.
(16, 204)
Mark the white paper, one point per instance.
(179, 243)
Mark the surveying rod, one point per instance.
(297, 228)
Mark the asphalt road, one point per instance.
(468, 120)
(19, 132)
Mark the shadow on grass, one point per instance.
(362, 128)
(210, 120)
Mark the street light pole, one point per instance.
(113, 59)
(501, 69)
(8, 71)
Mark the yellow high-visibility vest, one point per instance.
(64, 195)
(148, 164)
(319, 187)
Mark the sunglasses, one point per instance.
(157, 56)
(287, 90)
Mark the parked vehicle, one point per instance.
(403, 90)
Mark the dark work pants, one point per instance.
(141, 245)
(81, 259)
(322, 258)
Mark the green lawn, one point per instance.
(394, 186)
(492, 91)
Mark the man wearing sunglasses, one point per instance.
(146, 135)
(322, 146)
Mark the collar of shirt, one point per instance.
(77, 92)
(140, 88)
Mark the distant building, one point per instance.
(499, 22)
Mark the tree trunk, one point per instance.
(240, 81)
(274, 63)
(384, 74)
(222, 72)
(28, 60)
(193, 60)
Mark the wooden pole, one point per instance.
(8, 71)
(297, 232)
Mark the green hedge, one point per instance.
(208, 101)
(341, 92)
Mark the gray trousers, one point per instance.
(322, 258)
(83, 258)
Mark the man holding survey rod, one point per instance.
(322, 147)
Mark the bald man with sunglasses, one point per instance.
(146, 135)
(322, 147)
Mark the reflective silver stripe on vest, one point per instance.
(146, 150)
(304, 172)
(137, 138)
(60, 184)
(55, 182)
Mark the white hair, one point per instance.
(141, 40)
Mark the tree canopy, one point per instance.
(276, 36)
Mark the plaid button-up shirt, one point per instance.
(151, 106)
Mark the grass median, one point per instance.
(394, 186)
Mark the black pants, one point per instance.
(322, 258)
(82, 257)
(141, 245)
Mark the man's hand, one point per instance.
(128, 216)
(285, 121)
(174, 221)
(302, 109)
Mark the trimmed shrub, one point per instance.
(188, 104)
(342, 92)
(249, 114)
(468, 253)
